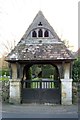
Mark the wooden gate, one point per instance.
(41, 91)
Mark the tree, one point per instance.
(8, 46)
(3, 63)
(66, 42)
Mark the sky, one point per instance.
(17, 15)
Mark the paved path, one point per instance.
(39, 111)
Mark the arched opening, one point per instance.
(46, 72)
(46, 33)
(34, 34)
(40, 33)
(41, 84)
(41, 72)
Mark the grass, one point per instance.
(37, 84)
(4, 78)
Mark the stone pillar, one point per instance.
(15, 86)
(66, 91)
(15, 91)
(66, 86)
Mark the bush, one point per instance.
(4, 72)
(76, 70)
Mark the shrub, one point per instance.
(76, 70)
(4, 72)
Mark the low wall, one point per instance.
(4, 91)
(0, 91)
(75, 92)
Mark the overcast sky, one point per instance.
(17, 15)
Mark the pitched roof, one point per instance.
(51, 48)
(40, 18)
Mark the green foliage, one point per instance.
(4, 72)
(44, 71)
(36, 69)
(47, 70)
(0, 72)
(76, 70)
(29, 74)
(4, 79)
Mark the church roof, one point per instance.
(40, 48)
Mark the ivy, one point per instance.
(76, 70)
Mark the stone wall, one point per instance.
(75, 92)
(0, 91)
(4, 91)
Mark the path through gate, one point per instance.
(41, 91)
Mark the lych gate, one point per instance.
(44, 87)
(40, 49)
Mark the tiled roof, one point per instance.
(54, 51)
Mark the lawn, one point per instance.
(44, 84)
(4, 78)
